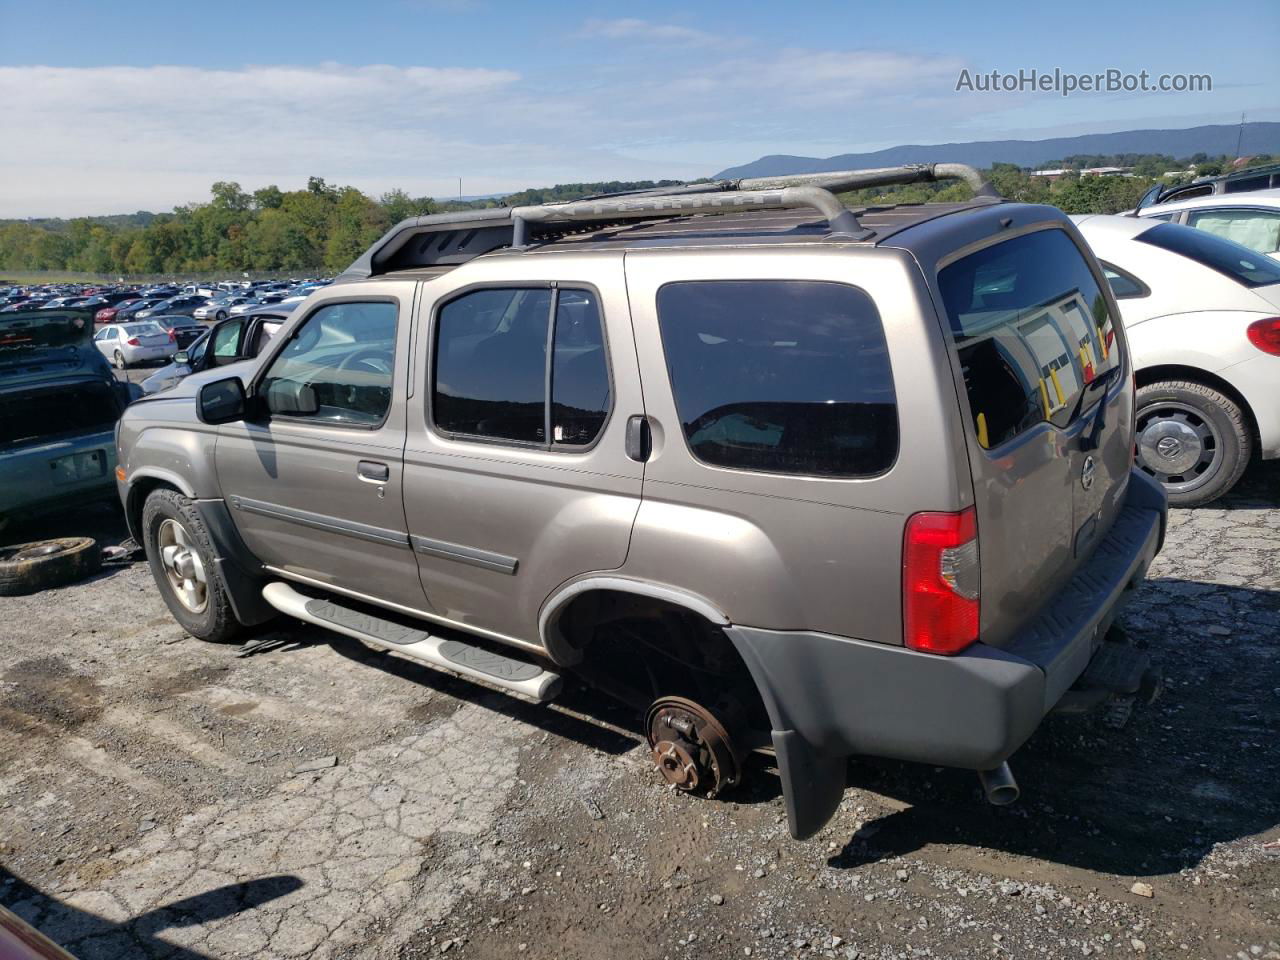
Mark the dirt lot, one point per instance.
(161, 797)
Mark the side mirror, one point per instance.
(291, 398)
(181, 357)
(221, 401)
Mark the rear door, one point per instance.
(517, 477)
(1037, 349)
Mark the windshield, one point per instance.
(44, 329)
(1245, 266)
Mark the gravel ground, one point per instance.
(161, 797)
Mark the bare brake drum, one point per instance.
(691, 747)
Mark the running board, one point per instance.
(475, 663)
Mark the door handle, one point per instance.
(373, 472)
(639, 438)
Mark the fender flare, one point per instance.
(159, 473)
(548, 617)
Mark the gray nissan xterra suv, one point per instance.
(790, 478)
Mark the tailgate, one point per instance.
(1049, 419)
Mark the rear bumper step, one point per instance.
(473, 662)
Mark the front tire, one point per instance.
(180, 553)
(221, 315)
(1193, 439)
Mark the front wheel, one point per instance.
(221, 315)
(118, 360)
(180, 553)
(1193, 439)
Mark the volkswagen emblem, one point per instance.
(1086, 473)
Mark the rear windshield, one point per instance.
(1239, 263)
(1032, 330)
(142, 329)
(780, 376)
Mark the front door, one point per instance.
(317, 495)
(516, 471)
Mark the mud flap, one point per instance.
(812, 786)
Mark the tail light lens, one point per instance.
(940, 581)
(173, 337)
(1265, 335)
(134, 342)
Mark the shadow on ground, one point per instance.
(94, 936)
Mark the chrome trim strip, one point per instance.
(471, 555)
(411, 611)
(320, 521)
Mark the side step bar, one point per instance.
(476, 663)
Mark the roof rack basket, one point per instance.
(448, 239)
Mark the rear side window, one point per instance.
(1241, 264)
(493, 371)
(780, 376)
(1032, 329)
(1256, 229)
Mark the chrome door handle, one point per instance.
(373, 472)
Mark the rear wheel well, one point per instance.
(638, 648)
(1173, 371)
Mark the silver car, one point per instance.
(220, 308)
(783, 476)
(125, 344)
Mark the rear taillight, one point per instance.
(1265, 335)
(134, 342)
(173, 338)
(940, 581)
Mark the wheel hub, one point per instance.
(691, 747)
(1170, 447)
(182, 566)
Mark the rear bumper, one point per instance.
(833, 697)
(57, 473)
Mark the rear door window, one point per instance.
(493, 369)
(1032, 329)
(780, 376)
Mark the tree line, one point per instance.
(324, 227)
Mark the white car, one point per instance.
(1252, 218)
(128, 343)
(1202, 316)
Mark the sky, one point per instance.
(139, 105)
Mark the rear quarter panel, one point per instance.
(795, 552)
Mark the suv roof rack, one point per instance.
(449, 239)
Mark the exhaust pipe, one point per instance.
(998, 785)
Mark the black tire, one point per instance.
(118, 361)
(214, 620)
(1191, 418)
(32, 567)
(221, 315)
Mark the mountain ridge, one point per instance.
(1213, 139)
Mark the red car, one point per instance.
(108, 314)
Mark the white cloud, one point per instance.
(117, 139)
(644, 31)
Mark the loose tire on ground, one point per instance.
(32, 567)
(165, 513)
(1219, 417)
